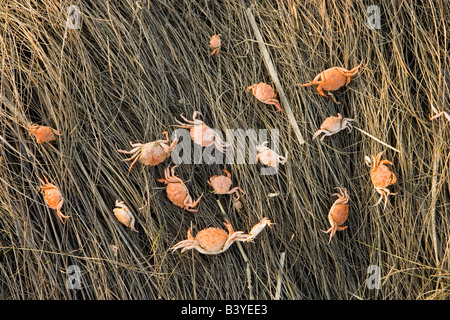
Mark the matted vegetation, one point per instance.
(136, 65)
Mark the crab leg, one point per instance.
(236, 236)
(348, 73)
(318, 132)
(220, 144)
(381, 197)
(135, 157)
(174, 142)
(183, 125)
(188, 206)
(121, 204)
(236, 190)
(129, 152)
(194, 121)
(188, 121)
(315, 81)
(56, 132)
(222, 147)
(333, 229)
(384, 194)
(282, 159)
(330, 95)
(173, 177)
(276, 103)
(167, 138)
(170, 178)
(185, 245)
(58, 211)
(343, 194)
(233, 236)
(347, 123)
(385, 162)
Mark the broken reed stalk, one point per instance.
(249, 280)
(376, 139)
(280, 276)
(194, 286)
(434, 182)
(274, 75)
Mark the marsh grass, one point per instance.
(135, 65)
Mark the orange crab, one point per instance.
(53, 197)
(438, 114)
(333, 125)
(216, 240)
(201, 133)
(381, 176)
(269, 157)
(215, 43)
(124, 215)
(151, 153)
(332, 79)
(338, 212)
(42, 133)
(265, 93)
(222, 185)
(177, 191)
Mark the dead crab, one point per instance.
(177, 191)
(381, 176)
(215, 43)
(269, 157)
(332, 79)
(222, 185)
(151, 153)
(53, 197)
(201, 133)
(438, 114)
(42, 133)
(265, 93)
(124, 215)
(216, 240)
(333, 125)
(338, 212)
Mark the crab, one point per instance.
(438, 114)
(332, 79)
(338, 212)
(333, 125)
(265, 93)
(201, 133)
(269, 157)
(222, 185)
(152, 153)
(42, 133)
(214, 43)
(124, 215)
(216, 240)
(381, 176)
(53, 197)
(177, 191)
